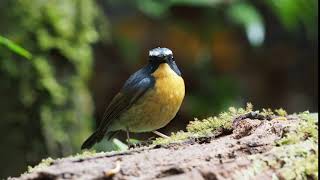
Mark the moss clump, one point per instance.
(48, 161)
(295, 155)
(44, 163)
(306, 129)
(86, 154)
(175, 137)
(212, 124)
(216, 125)
(281, 112)
(206, 127)
(294, 161)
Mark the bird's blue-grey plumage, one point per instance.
(133, 89)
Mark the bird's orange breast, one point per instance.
(158, 106)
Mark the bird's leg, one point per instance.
(130, 145)
(128, 136)
(160, 134)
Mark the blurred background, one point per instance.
(62, 61)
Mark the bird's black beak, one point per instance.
(174, 66)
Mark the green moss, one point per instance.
(295, 155)
(86, 154)
(307, 129)
(175, 137)
(48, 161)
(294, 161)
(281, 112)
(44, 163)
(222, 121)
(267, 112)
(309, 126)
(206, 127)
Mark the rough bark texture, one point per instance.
(200, 158)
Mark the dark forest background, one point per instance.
(62, 61)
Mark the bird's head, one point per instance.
(160, 55)
(163, 55)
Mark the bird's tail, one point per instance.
(94, 138)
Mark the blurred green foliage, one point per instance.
(296, 13)
(46, 108)
(291, 13)
(248, 16)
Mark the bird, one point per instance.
(148, 100)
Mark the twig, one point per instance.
(113, 171)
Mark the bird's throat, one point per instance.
(163, 70)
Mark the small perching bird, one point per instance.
(148, 101)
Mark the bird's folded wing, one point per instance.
(128, 95)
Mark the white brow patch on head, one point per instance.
(160, 52)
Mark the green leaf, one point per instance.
(247, 15)
(154, 9)
(294, 14)
(119, 145)
(15, 47)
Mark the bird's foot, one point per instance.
(132, 145)
(160, 134)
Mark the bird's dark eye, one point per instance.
(171, 59)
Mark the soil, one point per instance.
(207, 158)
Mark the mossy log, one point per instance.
(247, 144)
